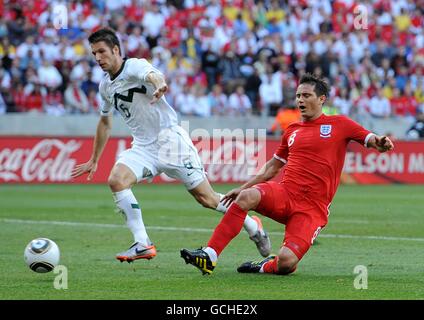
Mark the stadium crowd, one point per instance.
(220, 57)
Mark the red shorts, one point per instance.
(303, 216)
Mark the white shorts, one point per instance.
(173, 153)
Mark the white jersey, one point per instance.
(130, 94)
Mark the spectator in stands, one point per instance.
(53, 102)
(153, 21)
(289, 86)
(240, 26)
(49, 76)
(235, 36)
(342, 102)
(380, 106)
(7, 51)
(397, 103)
(239, 103)
(49, 50)
(75, 99)
(88, 84)
(201, 106)
(136, 40)
(270, 92)
(17, 96)
(417, 129)
(80, 70)
(253, 83)
(192, 46)
(33, 101)
(285, 117)
(29, 61)
(5, 78)
(184, 100)
(210, 60)
(8, 104)
(379, 55)
(29, 44)
(16, 27)
(197, 76)
(411, 104)
(229, 69)
(94, 100)
(3, 105)
(3, 28)
(218, 101)
(402, 77)
(179, 64)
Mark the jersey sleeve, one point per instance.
(105, 105)
(140, 68)
(354, 131)
(282, 151)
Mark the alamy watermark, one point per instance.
(61, 280)
(360, 20)
(60, 16)
(361, 280)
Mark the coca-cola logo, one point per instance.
(48, 160)
(230, 161)
(234, 162)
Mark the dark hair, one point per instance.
(106, 35)
(321, 87)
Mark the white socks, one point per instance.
(128, 204)
(211, 253)
(249, 225)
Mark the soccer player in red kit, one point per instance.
(313, 153)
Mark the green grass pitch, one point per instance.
(380, 227)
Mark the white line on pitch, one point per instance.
(104, 225)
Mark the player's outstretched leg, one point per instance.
(282, 264)
(254, 266)
(198, 258)
(208, 198)
(120, 181)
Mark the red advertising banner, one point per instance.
(51, 160)
(405, 164)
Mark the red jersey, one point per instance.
(314, 153)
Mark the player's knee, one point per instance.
(287, 263)
(116, 183)
(247, 199)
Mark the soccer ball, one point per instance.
(42, 255)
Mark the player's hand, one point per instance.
(383, 144)
(89, 167)
(230, 196)
(159, 92)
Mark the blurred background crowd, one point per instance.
(221, 57)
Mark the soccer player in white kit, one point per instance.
(136, 90)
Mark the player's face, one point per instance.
(309, 104)
(106, 57)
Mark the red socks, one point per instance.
(271, 266)
(229, 227)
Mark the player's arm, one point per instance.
(102, 135)
(159, 83)
(267, 172)
(380, 143)
(356, 132)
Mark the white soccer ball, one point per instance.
(42, 255)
